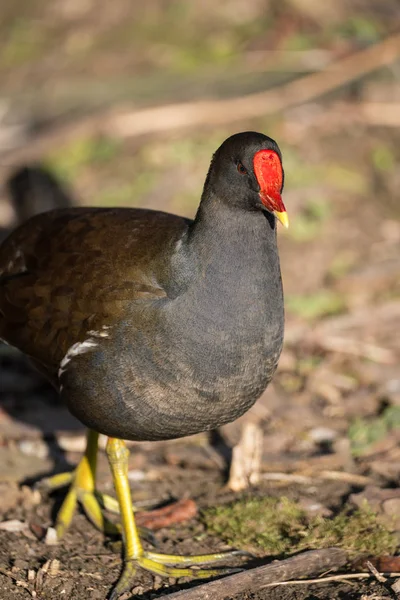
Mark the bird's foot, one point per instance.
(81, 491)
(92, 501)
(163, 564)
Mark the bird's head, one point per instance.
(246, 171)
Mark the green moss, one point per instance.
(278, 526)
(258, 524)
(365, 432)
(25, 41)
(383, 158)
(359, 532)
(314, 306)
(127, 193)
(345, 179)
(69, 160)
(391, 416)
(300, 173)
(299, 41)
(194, 149)
(363, 28)
(307, 225)
(307, 364)
(342, 264)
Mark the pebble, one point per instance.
(323, 434)
(51, 537)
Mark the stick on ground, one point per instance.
(306, 564)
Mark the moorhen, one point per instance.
(33, 190)
(152, 326)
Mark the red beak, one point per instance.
(272, 200)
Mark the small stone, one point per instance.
(136, 475)
(76, 443)
(51, 537)
(391, 508)
(34, 448)
(396, 586)
(13, 526)
(323, 434)
(54, 567)
(139, 589)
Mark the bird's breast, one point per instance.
(185, 365)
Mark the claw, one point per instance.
(124, 583)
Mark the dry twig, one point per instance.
(307, 563)
(342, 577)
(375, 572)
(308, 477)
(246, 458)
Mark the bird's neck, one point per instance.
(230, 284)
(225, 319)
(228, 255)
(231, 239)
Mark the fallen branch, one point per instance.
(219, 112)
(307, 563)
(246, 458)
(343, 577)
(132, 123)
(346, 345)
(308, 477)
(374, 571)
(384, 114)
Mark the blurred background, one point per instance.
(125, 102)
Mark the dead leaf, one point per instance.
(14, 526)
(180, 511)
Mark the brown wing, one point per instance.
(67, 272)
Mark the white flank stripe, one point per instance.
(75, 350)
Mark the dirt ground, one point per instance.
(330, 420)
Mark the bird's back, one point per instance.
(64, 270)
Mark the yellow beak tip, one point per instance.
(282, 217)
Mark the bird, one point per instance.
(152, 326)
(33, 189)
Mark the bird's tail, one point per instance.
(33, 190)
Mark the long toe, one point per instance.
(66, 512)
(95, 514)
(126, 580)
(55, 482)
(196, 559)
(166, 571)
(88, 499)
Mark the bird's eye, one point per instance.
(241, 169)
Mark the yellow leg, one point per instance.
(134, 554)
(82, 490)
